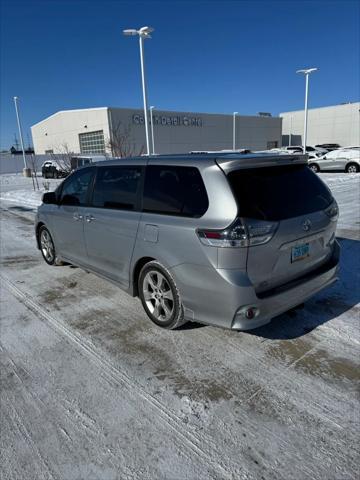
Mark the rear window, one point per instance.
(174, 191)
(277, 193)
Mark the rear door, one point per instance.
(112, 219)
(294, 200)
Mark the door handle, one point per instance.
(89, 218)
(77, 217)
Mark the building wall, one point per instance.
(60, 131)
(336, 124)
(179, 132)
(174, 132)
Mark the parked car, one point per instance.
(78, 161)
(345, 160)
(225, 239)
(51, 169)
(309, 149)
(329, 146)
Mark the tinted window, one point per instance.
(116, 187)
(174, 191)
(75, 188)
(277, 193)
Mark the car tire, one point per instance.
(314, 167)
(352, 168)
(47, 247)
(160, 296)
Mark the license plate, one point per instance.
(300, 252)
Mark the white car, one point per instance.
(344, 159)
(309, 149)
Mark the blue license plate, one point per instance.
(300, 252)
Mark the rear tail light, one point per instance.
(333, 211)
(244, 232)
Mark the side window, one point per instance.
(116, 187)
(174, 191)
(75, 188)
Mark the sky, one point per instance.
(204, 56)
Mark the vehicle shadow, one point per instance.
(324, 306)
(20, 208)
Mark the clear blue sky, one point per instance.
(205, 56)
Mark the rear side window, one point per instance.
(174, 191)
(277, 193)
(116, 187)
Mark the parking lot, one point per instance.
(91, 389)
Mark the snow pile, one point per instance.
(24, 197)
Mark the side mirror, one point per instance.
(49, 198)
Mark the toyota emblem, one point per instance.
(306, 225)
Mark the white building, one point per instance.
(120, 132)
(335, 124)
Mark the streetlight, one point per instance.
(234, 129)
(152, 129)
(143, 33)
(290, 131)
(306, 72)
(20, 133)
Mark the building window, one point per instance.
(273, 144)
(92, 142)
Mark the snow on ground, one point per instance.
(92, 390)
(17, 189)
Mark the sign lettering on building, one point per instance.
(169, 120)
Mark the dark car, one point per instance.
(329, 146)
(51, 169)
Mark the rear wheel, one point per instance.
(352, 168)
(314, 167)
(160, 296)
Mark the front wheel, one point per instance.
(47, 247)
(352, 168)
(160, 296)
(314, 167)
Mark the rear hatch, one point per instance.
(297, 209)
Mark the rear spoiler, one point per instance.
(228, 164)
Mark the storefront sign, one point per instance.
(169, 120)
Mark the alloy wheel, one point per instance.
(158, 296)
(352, 169)
(47, 246)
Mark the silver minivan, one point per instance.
(224, 239)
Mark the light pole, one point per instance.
(290, 131)
(234, 129)
(143, 33)
(20, 133)
(306, 72)
(152, 129)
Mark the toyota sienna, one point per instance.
(223, 239)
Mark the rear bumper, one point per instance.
(282, 299)
(215, 297)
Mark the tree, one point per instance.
(121, 142)
(63, 159)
